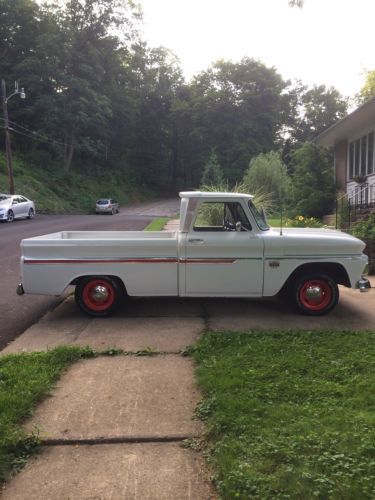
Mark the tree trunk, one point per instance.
(69, 152)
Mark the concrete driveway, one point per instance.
(113, 427)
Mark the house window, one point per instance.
(357, 156)
(370, 154)
(351, 160)
(361, 156)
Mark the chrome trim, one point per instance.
(315, 257)
(363, 284)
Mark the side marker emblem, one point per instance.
(273, 264)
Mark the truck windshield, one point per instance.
(260, 219)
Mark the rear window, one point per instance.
(102, 202)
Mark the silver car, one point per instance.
(107, 206)
(15, 206)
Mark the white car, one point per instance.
(107, 206)
(223, 248)
(15, 206)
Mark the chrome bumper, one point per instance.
(20, 290)
(363, 284)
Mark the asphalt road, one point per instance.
(18, 313)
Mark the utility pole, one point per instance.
(8, 147)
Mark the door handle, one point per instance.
(196, 241)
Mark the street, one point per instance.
(18, 313)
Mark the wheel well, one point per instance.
(119, 280)
(332, 269)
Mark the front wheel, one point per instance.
(10, 216)
(31, 214)
(98, 295)
(315, 294)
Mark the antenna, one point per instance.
(281, 219)
(281, 208)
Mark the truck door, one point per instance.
(223, 253)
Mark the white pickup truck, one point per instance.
(223, 248)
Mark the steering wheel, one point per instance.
(228, 226)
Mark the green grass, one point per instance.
(289, 414)
(25, 379)
(56, 191)
(157, 224)
(274, 222)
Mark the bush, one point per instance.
(365, 230)
(267, 173)
(301, 221)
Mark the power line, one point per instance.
(33, 133)
(40, 137)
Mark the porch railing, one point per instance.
(349, 208)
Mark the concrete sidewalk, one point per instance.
(113, 427)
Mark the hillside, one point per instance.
(57, 191)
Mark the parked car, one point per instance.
(15, 206)
(107, 206)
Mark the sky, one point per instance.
(327, 42)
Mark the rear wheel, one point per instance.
(315, 294)
(10, 216)
(99, 295)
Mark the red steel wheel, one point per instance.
(316, 294)
(98, 296)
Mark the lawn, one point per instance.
(25, 379)
(289, 414)
(157, 224)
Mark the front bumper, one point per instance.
(363, 284)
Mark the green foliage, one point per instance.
(368, 89)
(212, 172)
(157, 224)
(238, 112)
(301, 221)
(315, 110)
(289, 414)
(24, 380)
(57, 191)
(98, 96)
(312, 182)
(268, 174)
(365, 229)
(260, 199)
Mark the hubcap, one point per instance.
(314, 294)
(99, 294)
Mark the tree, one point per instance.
(368, 89)
(316, 109)
(268, 174)
(212, 173)
(238, 110)
(312, 181)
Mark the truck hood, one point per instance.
(319, 242)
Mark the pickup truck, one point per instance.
(223, 248)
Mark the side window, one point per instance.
(220, 216)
